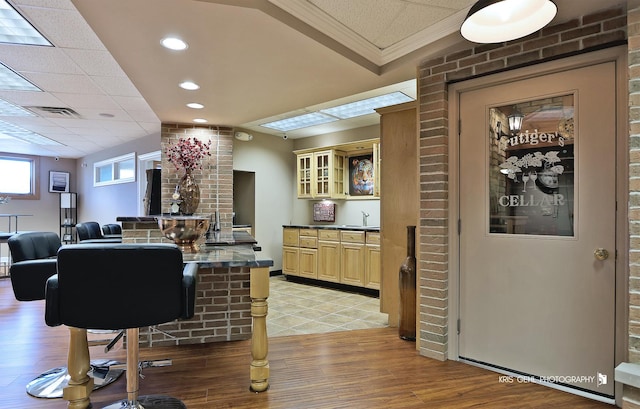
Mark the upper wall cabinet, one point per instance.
(326, 173)
(321, 175)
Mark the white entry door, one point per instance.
(537, 238)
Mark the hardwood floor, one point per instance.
(370, 368)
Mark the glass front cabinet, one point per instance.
(321, 175)
(345, 171)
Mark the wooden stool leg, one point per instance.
(80, 384)
(133, 352)
(259, 292)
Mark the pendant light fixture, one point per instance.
(496, 21)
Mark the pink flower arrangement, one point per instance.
(188, 153)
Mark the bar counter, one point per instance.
(231, 294)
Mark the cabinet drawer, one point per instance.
(352, 236)
(329, 235)
(290, 237)
(308, 242)
(309, 232)
(373, 238)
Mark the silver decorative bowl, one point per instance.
(184, 230)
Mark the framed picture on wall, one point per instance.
(361, 175)
(58, 182)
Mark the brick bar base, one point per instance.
(223, 303)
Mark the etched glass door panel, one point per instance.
(531, 174)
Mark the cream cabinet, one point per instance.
(329, 255)
(372, 264)
(308, 253)
(304, 173)
(290, 251)
(352, 258)
(321, 175)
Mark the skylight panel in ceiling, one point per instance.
(15, 29)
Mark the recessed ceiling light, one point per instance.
(200, 120)
(195, 105)
(188, 85)
(173, 43)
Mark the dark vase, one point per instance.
(189, 194)
(407, 325)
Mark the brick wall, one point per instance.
(588, 33)
(631, 396)
(222, 311)
(223, 302)
(215, 179)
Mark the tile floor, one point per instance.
(296, 308)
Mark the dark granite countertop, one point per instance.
(220, 249)
(227, 256)
(228, 238)
(334, 227)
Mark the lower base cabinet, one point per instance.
(329, 261)
(352, 271)
(340, 256)
(290, 260)
(308, 263)
(372, 266)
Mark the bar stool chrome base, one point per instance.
(49, 385)
(149, 402)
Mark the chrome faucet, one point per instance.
(364, 217)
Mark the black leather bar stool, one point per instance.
(90, 232)
(147, 285)
(33, 262)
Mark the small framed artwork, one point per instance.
(58, 182)
(361, 175)
(324, 212)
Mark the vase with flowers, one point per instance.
(187, 154)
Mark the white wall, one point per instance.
(45, 210)
(105, 203)
(273, 161)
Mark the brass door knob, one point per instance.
(601, 254)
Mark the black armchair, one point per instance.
(34, 261)
(33, 255)
(90, 232)
(111, 230)
(151, 286)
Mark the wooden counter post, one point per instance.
(259, 292)
(80, 384)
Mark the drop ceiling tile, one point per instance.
(63, 28)
(24, 98)
(151, 127)
(143, 115)
(37, 59)
(407, 23)
(94, 114)
(96, 62)
(51, 4)
(116, 86)
(131, 103)
(73, 84)
(85, 101)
